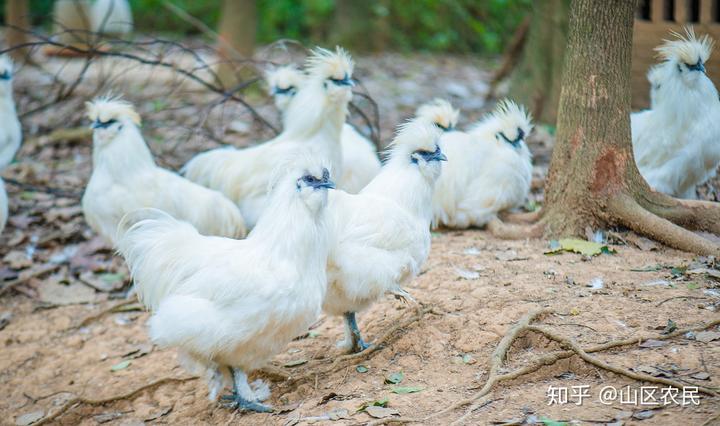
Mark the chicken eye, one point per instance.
(5, 75)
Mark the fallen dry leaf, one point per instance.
(381, 412)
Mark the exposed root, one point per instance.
(505, 231)
(94, 317)
(481, 397)
(521, 218)
(691, 214)
(96, 402)
(642, 377)
(629, 213)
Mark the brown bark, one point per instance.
(593, 179)
(237, 33)
(17, 15)
(536, 80)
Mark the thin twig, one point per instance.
(96, 402)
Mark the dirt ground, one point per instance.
(68, 330)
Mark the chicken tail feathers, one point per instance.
(151, 240)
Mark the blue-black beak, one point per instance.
(445, 129)
(97, 124)
(699, 66)
(5, 75)
(516, 142)
(322, 183)
(345, 81)
(436, 155)
(290, 90)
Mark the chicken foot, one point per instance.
(353, 335)
(243, 396)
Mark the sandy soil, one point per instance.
(446, 353)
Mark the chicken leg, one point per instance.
(353, 333)
(243, 397)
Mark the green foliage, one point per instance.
(458, 26)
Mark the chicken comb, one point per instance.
(325, 63)
(284, 77)
(440, 112)
(109, 107)
(687, 48)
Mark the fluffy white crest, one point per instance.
(688, 49)
(284, 78)
(508, 117)
(325, 63)
(440, 112)
(108, 108)
(418, 134)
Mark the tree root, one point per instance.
(628, 212)
(641, 377)
(691, 214)
(94, 317)
(524, 325)
(521, 217)
(96, 402)
(341, 361)
(506, 231)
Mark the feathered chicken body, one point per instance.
(229, 305)
(489, 169)
(125, 178)
(360, 162)
(381, 236)
(10, 131)
(676, 142)
(313, 122)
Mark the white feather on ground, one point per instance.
(489, 169)
(381, 236)
(677, 142)
(228, 303)
(125, 178)
(313, 122)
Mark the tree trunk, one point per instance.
(238, 28)
(536, 81)
(593, 179)
(17, 14)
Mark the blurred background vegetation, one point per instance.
(456, 26)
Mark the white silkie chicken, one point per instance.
(489, 169)
(10, 130)
(381, 237)
(360, 162)
(229, 305)
(125, 178)
(313, 122)
(676, 143)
